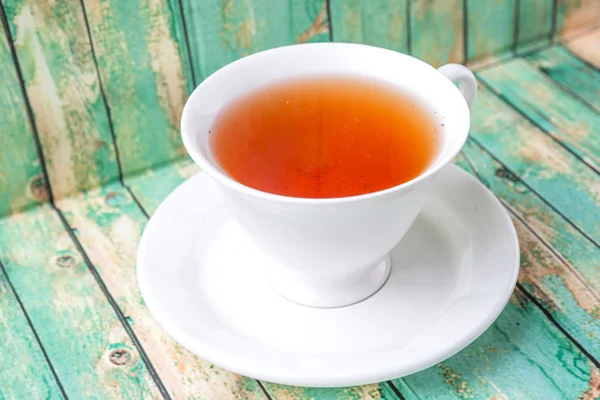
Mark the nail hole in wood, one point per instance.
(37, 188)
(119, 357)
(65, 259)
(506, 174)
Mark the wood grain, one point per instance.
(573, 74)
(220, 32)
(490, 28)
(521, 356)
(71, 315)
(61, 82)
(109, 225)
(154, 185)
(538, 97)
(576, 16)
(382, 24)
(377, 391)
(554, 173)
(535, 24)
(28, 375)
(22, 183)
(437, 31)
(139, 57)
(559, 266)
(587, 47)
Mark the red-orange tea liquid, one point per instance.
(324, 137)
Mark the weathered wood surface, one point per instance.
(22, 183)
(587, 48)
(535, 23)
(88, 347)
(559, 266)
(109, 225)
(30, 377)
(371, 22)
(138, 48)
(436, 30)
(540, 159)
(223, 31)
(533, 144)
(576, 16)
(521, 356)
(572, 74)
(490, 28)
(54, 53)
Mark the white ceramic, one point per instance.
(453, 272)
(330, 252)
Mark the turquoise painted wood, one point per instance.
(576, 16)
(535, 24)
(140, 58)
(549, 169)
(92, 354)
(223, 31)
(109, 225)
(522, 355)
(22, 183)
(571, 73)
(436, 31)
(537, 96)
(31, 377)
(153, 186)
(371, 22)
(60, 78)
(534, 145)
(559, 266)
(490, 28)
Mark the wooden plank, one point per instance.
(559, 266)
(21, 180)
(376, 391)
(90, 350)
(382, 24)
(549, 106)
(436, 31)
(150, 189)
(575, 75)
(576, 16)
(140, 62)
(220, 32)
(30, 377)
(109, 225)
(490, 28)
(522, 356)
(587, 48)
(61, 82)
(554, 173)
(535, 22)
(154, 185)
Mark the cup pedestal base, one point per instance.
(327, 292)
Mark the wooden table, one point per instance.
(90, 100)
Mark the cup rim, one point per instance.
(205, 165)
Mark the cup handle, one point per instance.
(467, 84)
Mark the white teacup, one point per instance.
(330, 252)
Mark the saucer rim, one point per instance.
(362, 377)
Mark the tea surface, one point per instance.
(324, 137)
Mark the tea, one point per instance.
(324, 137)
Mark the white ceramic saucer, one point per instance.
(452, 275)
